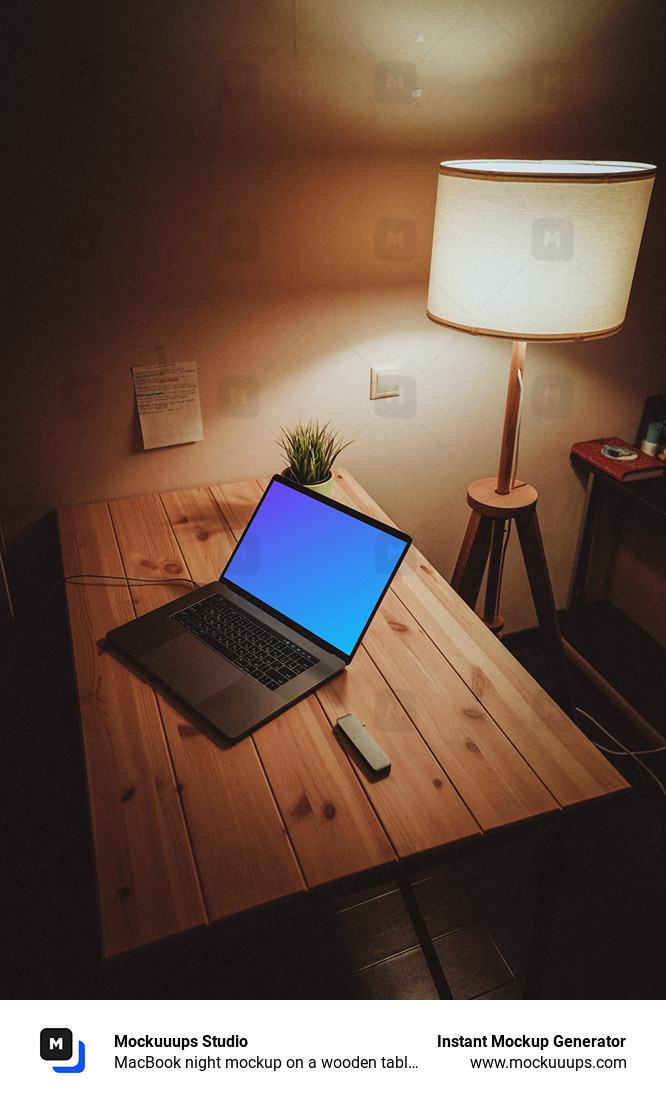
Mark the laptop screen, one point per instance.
(316, 563)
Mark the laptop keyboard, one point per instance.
(255, 649)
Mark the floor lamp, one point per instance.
(529, 250)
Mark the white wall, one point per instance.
(251, 185)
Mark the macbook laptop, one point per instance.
(287, 614)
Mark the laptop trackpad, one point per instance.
(191, 668)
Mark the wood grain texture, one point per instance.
(242, 851)
(188, 828)
(484, 497)
(332, 826)
(238, 501)
(147, 880)
(492, 778)
(150, 551)
(416, 803)
(203, 536)
(572, 769)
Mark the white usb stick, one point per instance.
(374, 756)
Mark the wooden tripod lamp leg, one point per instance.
(471, 563)
(491, 612)
(482, 545)
(495, 501)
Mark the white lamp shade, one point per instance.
(536, 250)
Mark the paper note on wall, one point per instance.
(167, 398)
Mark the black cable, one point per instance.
(106, 577)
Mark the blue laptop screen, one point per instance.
(321, 566)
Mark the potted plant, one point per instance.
(310, 451)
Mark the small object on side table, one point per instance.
(618, 459)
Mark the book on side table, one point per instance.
(618, 459)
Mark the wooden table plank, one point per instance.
(203, 535)
(332, 826)
(573, 770)
(238, 501)
(416, 802)
(492, 778)
(242, 851)
(150, 551)
(147, 880)
(567, 762)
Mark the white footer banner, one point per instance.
(211, 1048)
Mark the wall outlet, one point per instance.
(384, 382)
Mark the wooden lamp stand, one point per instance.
(494, 502)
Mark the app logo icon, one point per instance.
(395, 81)
(56, 1045)
(553, 396)
(395, 239)
(552, 239)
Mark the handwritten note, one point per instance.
(167, 398)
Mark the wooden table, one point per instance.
(189, 830)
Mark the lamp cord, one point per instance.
(635, 754)
(502, 559)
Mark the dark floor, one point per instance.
(474, 911)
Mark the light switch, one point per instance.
(384, 382)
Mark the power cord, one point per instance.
(106, 577)
(635, 754)
(505, 544)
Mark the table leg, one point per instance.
(551, 859)
(425, 940)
